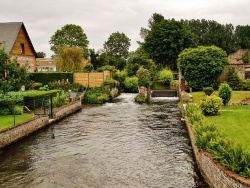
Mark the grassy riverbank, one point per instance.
(233, 120)
(8, 121)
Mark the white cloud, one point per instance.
(101, 18)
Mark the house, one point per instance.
(16, 42)
(45, 65)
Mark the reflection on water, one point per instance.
(118, 144)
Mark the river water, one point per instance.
(115, 145)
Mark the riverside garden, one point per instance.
(217, 111)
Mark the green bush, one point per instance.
(96, 95)
(35, 85)
(144, 77)
(120, 75)
(165, 76)
(109, 82)
(18, 110)
(194, 113)
(140, 98)
(211, 105)
(225, 92)
(233, 79)
(59, 99)
(208, 90)
(88, 68)
(131, 84)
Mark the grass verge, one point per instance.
(8, 121)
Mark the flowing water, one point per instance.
(115, 145)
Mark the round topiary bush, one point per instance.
(225, 92)
(208, 90)
(140, 98)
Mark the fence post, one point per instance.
(51, 106)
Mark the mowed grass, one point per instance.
(233, 120)
(8, 121)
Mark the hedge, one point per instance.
(46, 77)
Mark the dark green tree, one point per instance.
(70, 35)
(165, 40)
(202, 66)
(243, 36)
(117, 45)
(40, 54)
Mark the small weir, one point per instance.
(164, 93)
(118, 144)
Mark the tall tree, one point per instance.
(69, 58)
(243, 36)
(117, 45)
(70, 35)
(166, 40)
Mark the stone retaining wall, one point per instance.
(12, 134)
(215, 174)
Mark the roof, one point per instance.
(9, 32)
(45, 62)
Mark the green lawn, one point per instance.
(234, 120)
(7, 121)
(237, 96)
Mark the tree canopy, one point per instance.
(165, 40)
(202, 66)
(69, 58)
(70, 35)
(117, 45)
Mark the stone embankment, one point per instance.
(214, 173)
(14, 133)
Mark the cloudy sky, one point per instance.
(100, 18)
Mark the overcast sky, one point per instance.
(100, 18)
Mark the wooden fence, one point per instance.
(93, 79)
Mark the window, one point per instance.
(22, 48)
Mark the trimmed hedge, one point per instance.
(47, 77)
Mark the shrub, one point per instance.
(140, 98)
(88, 68)
(18, 110)
(59, 99)
(225, 92)
(194, 113)
(233, 79)
(120, 75)
(109, 82)
(165, 76)
(208, 90)
(211, 105)
(144, 77)
(131, 84)
(47, 77)
(96, 95)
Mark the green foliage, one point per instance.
(120, 75)
(194, 113)
(233, 78)
(144, 77)
(208, 90)
(117, 45)
(225, 92)
(109, 82)
(60, 99)
(107, 68)
(140, 98)
(131, 84)
(69, 35)
(69, 59)
(12, 77)
(243, 38)
(211, 105)
(165, 76)
(40, 54)
(202, 66)
(246, 58)
(18, 110)
(165, 40)
(210, 32)
(88, 68)
(96, 96)
(47, 77)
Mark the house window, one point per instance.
(22, 48)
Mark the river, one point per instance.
(114, 145)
